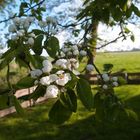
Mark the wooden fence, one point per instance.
(131, 78)
(24, 104)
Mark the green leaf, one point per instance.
(18, 107)
(71, 84)
(8, 56)
(26, 82)
(69, 100)
(4, 101)
(136, 10)
(132, 38)
(98, 104)
(131, 114)
(37, 47)
(84, 92)
(52, 46)
(127, 30)
(107, 67)
(37, 31)
(21, 63)
(36, 61)
(39, 91)
(58, 113)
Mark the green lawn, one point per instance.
(130, 61)
(81, 126)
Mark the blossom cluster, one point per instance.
(19, 29)
(52, 79)
(49, 20)
(108, 81)
(74, 51)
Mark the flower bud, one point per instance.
(105, 87)
(90, 67)
(115, 84)
(83, 53)
(12, 28)
(30, 41)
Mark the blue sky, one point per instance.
(103, 31)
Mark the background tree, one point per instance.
(112, 13)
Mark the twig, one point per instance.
(74, 24)
(23, 13)
(113, 41)
(8, 76)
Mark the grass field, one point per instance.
(129, 61)
(81, 126)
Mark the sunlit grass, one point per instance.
(81, 126)
(129, 61)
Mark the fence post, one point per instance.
(126, 76)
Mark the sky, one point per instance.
(104, 32)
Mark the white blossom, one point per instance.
(76, 72)
(115, 84)
(83, 53)
(53, 77)
(30, 41)
(30, 19)
(14, 37)
(22, 21)
(42, 24)
(47, 66)
(61, 63)
(19, 34)
(65, 50)
(47, 63)
(69, 53)
(35, 73)
(62, 54)
(115, 79)
(32, 35)
(51, 91)
(51, 20)
(75, 52)
(105, 77)
(72, 64)
(12, 28)
(47, 69)
(36, 82)
(16, 20)
(26, 25)
(60, 72)
(45, 80)
(74, 48)
(63, 78)
(90, 67)
(105, 87)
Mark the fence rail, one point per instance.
(131, 78)
(24, 104)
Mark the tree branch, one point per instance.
(113, 41)
(6, 20)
